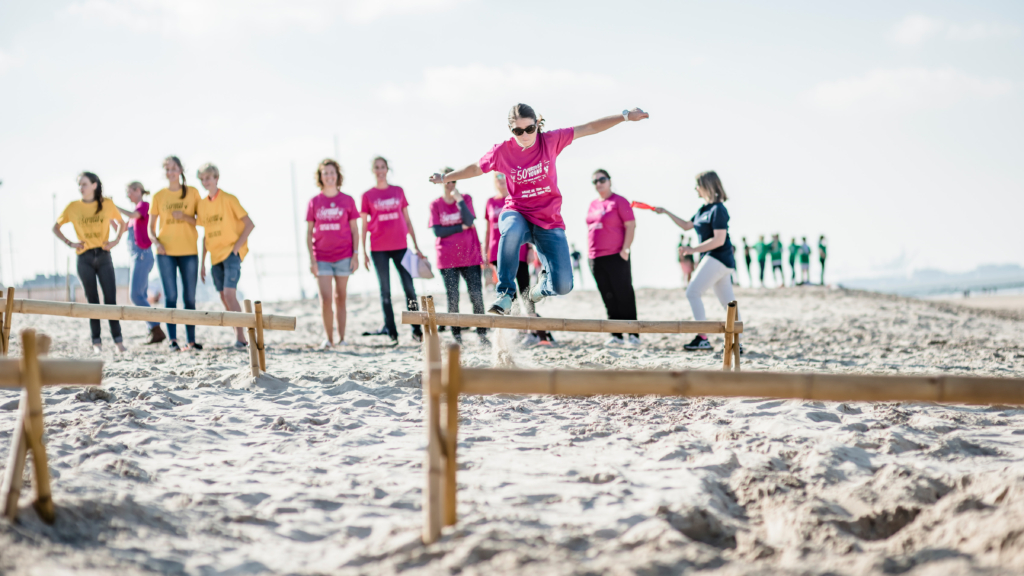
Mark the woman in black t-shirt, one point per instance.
(717, 263)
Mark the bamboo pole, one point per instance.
(8, 319)
(10, 492)
(259, 336)
(736, 344)
(451, 377)
(53, 371)
(254, 358)
(568, 324)
(827, 387)
(163, 315)
(432, 495)
(730, 336)
(34, 427)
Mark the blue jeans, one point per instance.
(142, 265)
(189, 268)
(552, 249)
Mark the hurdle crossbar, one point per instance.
(447, 382)
(570, 324)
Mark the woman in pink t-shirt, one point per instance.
(533, 207)
(386, 218)
(458, 252)
(142, 255)
(610, 229)
(332, 237)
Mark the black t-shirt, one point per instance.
(713, 217)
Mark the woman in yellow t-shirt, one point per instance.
(174, 210)
(92, 217)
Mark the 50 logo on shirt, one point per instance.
(526, 175)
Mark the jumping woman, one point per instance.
(332, 237)
(458, 251)
(532, 211)
(92, 218)
(610, 229)
(174, 209)
(386, 217)
(142, 256)
(711, 223)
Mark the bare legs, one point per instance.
(229, 297)
(332, 304)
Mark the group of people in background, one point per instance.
(522, 222)
(772, 253)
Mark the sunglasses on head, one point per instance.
(600, 180)
(528, 130)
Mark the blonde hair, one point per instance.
(208, 167)
(138, 186)
(712, 184)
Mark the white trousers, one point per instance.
(711, 273)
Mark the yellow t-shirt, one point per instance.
(222, 219)
(93, 229)
(177, 236)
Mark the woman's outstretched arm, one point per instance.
(471, 171)
(684, 224)
(602, 124)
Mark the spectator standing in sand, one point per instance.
(747, 258)
(174, 209)
(805, 262)
(610, 229)
(775, 251)
(711, 222)
(332, 238)
(792, 250)
(142, 256)
(822, 253)
(226, 228)
(762, 255)
(533, 207)
(386, 218)
(92, 218)
(685, 259)
(458, 251)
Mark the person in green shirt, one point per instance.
(822, 250)
(775, 249)
(762, 253)
(805, 262)
(792, 251)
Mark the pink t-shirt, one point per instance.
(459, 249)
(140, 226)
(332, 231)
(387, 225)
(492, 212)
(606, 225)
(530, 176)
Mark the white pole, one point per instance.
(298, 242)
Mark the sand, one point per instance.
(183, 464)
(1007, 302)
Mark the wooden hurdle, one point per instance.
(731, 327)
(31, 373)
(5, 321)
(448, 382)
(254, 320)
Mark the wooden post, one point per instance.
(259, 336)
(730, 336)
(11, 490)
(8, 320)
(254, 359)
(34, 427)
(736, 344)
(432, 495)
(452, 375)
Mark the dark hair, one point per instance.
(373, 163)
(603, 171)
(184, 187)
(325, 163)
(524, 111)
(99, 189)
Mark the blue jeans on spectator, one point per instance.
(142, 265)
(189, 268)
(552, 249)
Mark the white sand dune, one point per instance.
(183, 464)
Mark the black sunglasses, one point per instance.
(528, 130)
(600, 180)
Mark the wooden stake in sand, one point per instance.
(432, 495)
(254, 358)
(451, 376)
(730, 336)
(5, 337)
(259, 335)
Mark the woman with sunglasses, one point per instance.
(532, 212)
(717, 263)
(610, 229)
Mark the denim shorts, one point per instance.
(226, 273)
(342, 267)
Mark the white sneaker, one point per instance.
(633, 340)
(326, 344)
(535, 295)
(614, 341)
(343, 344)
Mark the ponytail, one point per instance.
(184, 187)
(99, 189)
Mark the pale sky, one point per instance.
(893, 128)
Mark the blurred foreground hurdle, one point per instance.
(439, 506)
(255, 321)
(731, 328)
(31, 373)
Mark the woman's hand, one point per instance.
(624, 254)
(366, 261)
(417, 252)
(659, 210)
(178, 215)
(636, 115)
(108, 246)
(313, 269)
(437, 178)
(457, 195)
(686, 250)
(202, 272)
(77, 245)
(355, 263)
(160, 249)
